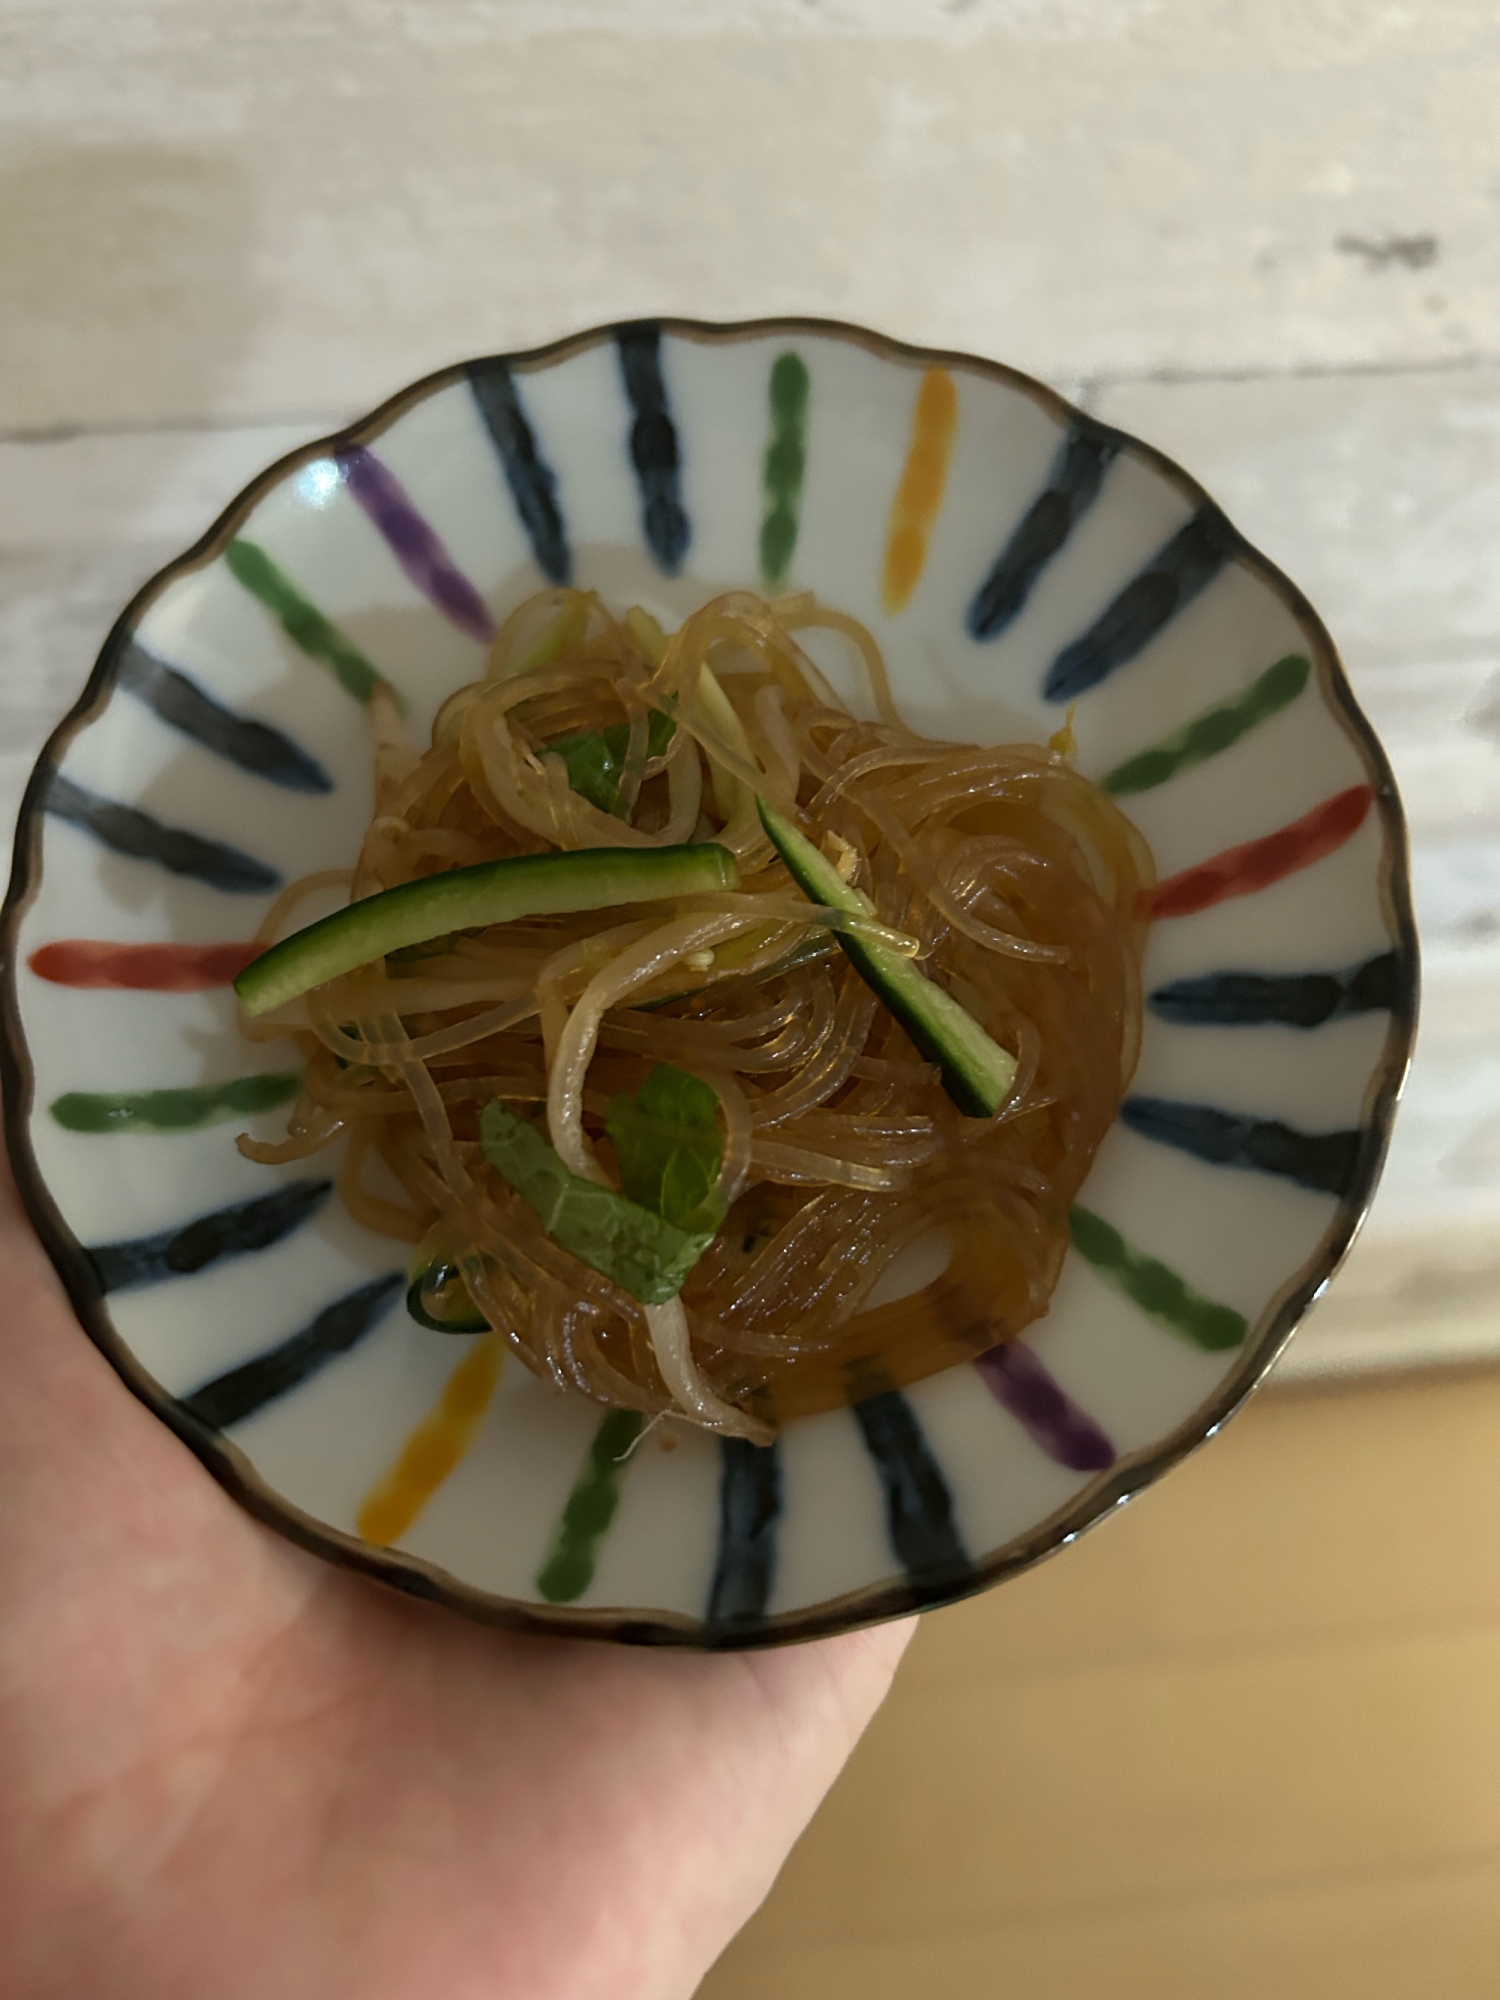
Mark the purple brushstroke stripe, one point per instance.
(1019, 1383)
(414, 542)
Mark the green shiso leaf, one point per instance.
(646, 1255)
(667, 1141)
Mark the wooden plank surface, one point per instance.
(214, 208)
(1243, 1740)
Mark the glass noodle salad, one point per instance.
(672, 1003)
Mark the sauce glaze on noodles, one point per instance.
(1021, 885)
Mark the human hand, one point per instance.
(229, 1771)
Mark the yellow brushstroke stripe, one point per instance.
(434, 1447)
(934, 426)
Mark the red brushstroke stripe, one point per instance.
(1240, 871)
(143, 968)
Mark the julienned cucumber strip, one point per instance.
(816, 945)
(492, 892)
(977, 1072)
(596, 757)
(437, 1296)
(648, 1257)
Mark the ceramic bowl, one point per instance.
(1018, 561)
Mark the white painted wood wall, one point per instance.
(1266, 238)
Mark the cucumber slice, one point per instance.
(818, 946)
(437, 1295)
(596, 757)
(492, 892)
(977, 1072)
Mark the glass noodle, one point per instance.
(1015, 882)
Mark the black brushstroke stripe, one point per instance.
(254, 746)
(130, 831)
(226, 1232)
(1294, 1000)
(532, 482)
(919, 1507)
(1325, 1161)
(1172, 578)
(749, 1512)
(654, 449)
(230, 1398)
(1072, 488)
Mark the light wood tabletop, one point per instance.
(1243, 1740)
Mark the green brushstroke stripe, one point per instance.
(175, 1110)
(569, 1568)
(1212, 731)
(1154, 1288)
(785, 462)
(301, 619)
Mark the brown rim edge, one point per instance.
(875, 1603)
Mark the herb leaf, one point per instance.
(596, 757)
(624, 1240)
(667, 1141)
